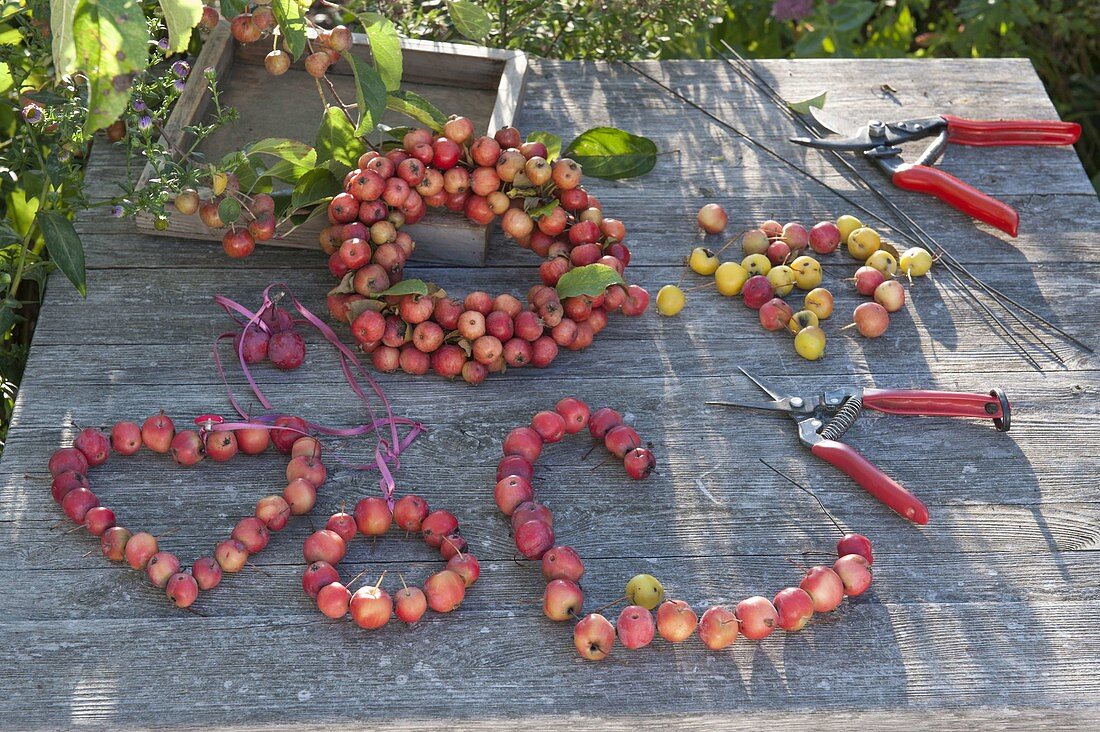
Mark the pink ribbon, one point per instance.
(386, 451)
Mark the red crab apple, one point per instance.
(94, 445)
(252, 533)
(187, 448)
(867, 280)
(437, 525)
(550, 426)
(273, 511)
(757, 617)
(639, 463)
(795, 236)
(371, 607)
(775, 314)
(635, 626)
(206, 572)
(230, 555)
(67, 482)
(562, 562)
(854, 573)
(718, 628)
(253, 440)
(621, 440)
(510, 492)
(574, 412)
(306, 446)
(161, 567)
(778, 252)
(795, 607)
(445, 591)
(113, 543)
(77, 503)
(602, 421)
(409, 513)
(531, 511)
(342, 524)
(855, 544)
(289, 429)
(324, 546)
(157, 433)
(126, 438)
(824, 587)
(98, 520)
(525, 442)
(562, 599)
(465, 566)
(221, 446)
(676, 621)
(871, 319)
(411, 604)
(307, 468)
(318, 575)
(712, 218)
(594, 637)
(140, 549)
(756, 291)
(66, 459)
(182, 589)
(333, 600)
(533, 538)
(824, 237)
(515, 465)
(890, 295)
(372, 516)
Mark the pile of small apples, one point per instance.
(767, 274)
(273, 338)
(542, 206)
(821, 590)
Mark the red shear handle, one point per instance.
(874, 481)
(933, 403)
(1006, 132)
(952, 191)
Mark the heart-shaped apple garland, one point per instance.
(220, 441)
(371, 606)
(821, 590)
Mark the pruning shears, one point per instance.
(879, 141)
(823, 418)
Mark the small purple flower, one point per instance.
(162, 44)
(138, 105)
(117, 211)
(179, 84)
(790, 10)
(181, 69)
(210, 73)
(145, 122)
(32, 113)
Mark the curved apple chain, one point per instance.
(386, 451)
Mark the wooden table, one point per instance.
(988, 613)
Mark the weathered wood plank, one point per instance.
(982, 617)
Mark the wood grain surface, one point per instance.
(984, 618)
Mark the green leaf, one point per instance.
(370, 94)
(405, 287)
(291, 24)
(112, 46)
(8, 235)
(296, 158)
(848, 15)
(470, 19)
(313, 188)
(589, 280)
(64, 247)
(62, 14)
(385, 47)
(232, 8)
(180, 16)
(610, 153)
(544, 210)
(552, 142)
(336, 139)
(803, 107)
(229, 210)
(413, 105)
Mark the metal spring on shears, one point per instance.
(845, 417)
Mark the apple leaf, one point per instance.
(63, 244)
(552, 142)
(314, 187)
(610, 153)
(62, 14)
(112, 46)
(291, 24)
(385, 47)
(180, 16)
(370, 94)
(589, 280)
(336, 139)
(803, 107)
(417, 107)
(405, 287)
(470, 19)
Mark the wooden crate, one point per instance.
(484, 84)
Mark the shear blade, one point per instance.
(762, 406)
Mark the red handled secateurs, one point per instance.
(823, 418)
(879, 140)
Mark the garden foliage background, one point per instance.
(41, 161)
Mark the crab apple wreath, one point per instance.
(415, 327)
